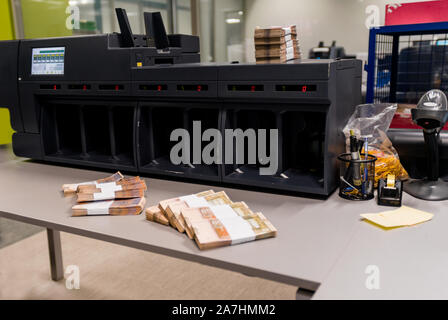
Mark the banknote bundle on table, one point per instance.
(212, 219)
(276, 44)
(73, 187)
(114, 195)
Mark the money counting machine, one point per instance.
(112, 101)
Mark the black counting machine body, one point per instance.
(111, 101)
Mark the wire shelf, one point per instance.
(406, 61)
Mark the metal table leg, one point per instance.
(55, 251)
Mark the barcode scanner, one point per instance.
(431, 114)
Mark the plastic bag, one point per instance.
(372, 121)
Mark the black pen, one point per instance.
(354, 150)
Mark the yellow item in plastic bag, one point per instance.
(387, 164)
(372, 121)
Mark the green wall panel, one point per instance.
(6, 33)
(45, 18)
(6, 21)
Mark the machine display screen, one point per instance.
(296, 87)
(48, 61)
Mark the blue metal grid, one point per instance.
(405, 61)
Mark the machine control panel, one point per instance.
(48, 61)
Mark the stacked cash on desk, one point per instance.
(276, 44)
(73, 187)
(114, 195)
(112, 207)
(212, 219)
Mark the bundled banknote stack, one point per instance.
(276, 44)
(212, 219)
(114, 195)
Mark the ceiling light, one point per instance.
(233, 20)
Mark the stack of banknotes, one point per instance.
(276, 44)
(113, 195)
(212, 219)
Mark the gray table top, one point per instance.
(318, 240)
(312, 233)
(411, 262)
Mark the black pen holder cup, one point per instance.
(356, 177)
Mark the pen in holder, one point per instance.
(357, 176)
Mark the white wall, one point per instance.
(205, 30)
(326, 20)
(221, 7)
(183, 17)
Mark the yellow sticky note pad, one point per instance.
(404, 216)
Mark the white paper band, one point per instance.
(109, 186)
(104, 185)
(97, 208)
(194, 201)
(288, 38)
(290, 51)
(104, 195)
(107, 191)
(290, 56)
(223, 211)
(287, 30)
(239, 230)
(97, 185)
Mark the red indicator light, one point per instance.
(159, 88)
(84, 87)
(199, 88)
(252, 88)
(303, 88)
(117, 88)
(55, 87)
